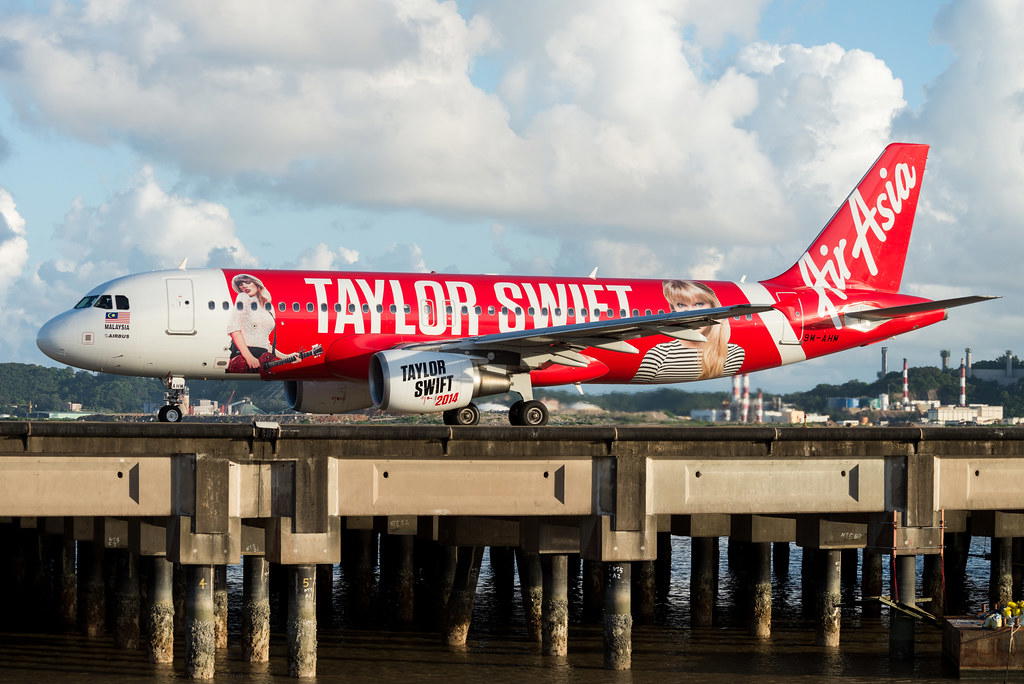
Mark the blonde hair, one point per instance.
(715, 350)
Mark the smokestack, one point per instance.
(759, 415)
(906, 385)
(745, 415)
(1009, 363)
(885, 364)
(945, 359)
(963, 383)
(970, 364)
(734, 409)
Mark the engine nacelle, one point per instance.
(327, 396)
(430, 382)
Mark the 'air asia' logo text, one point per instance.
(830, 277)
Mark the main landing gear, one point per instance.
(175, 395)
(467, 415)
(530, 413)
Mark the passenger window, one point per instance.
(351, 308)
(213, 305)
(253, 305)
(225, 305)
(366, 308)
(490, 311)
(622, 313)
(104, 302)
(392, 309)
(269, 307)
(408, 309)
(239, 305)
(309, 307)
(531, 311)
(122, 302)
(558, 311)
(295, 307)
(281, 306)
(323, 306)
(572, 311)
(519, 311)
(477, 310)
(647, 312)
(636, 312)
(504, 310)
(380, 308)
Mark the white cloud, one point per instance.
(13, 241)
(323, 258)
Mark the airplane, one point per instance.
(433, 343)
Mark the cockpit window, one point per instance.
(86, 302)
(104, 302)
(121, 301)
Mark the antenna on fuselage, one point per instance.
(593, 274)
(183, 264)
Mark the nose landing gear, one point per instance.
(175, 396)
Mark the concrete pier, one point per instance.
(363, 548)
(92, 599)
(160, 611)
(703, 581)
(126, 608)
(220, 605)
(760, 554)
(460, 606)
(871, 582)
(447, 562)
(643, 591)
(68, 584)
(829, 612)
(555, 605)
(397, 564)
(808, 582)
(933, 583)
(532, 590)
(618, 623)
(200, 627)
(901, 627)
(255, 609)
(1001, 584)
(302, 621)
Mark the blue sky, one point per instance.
(503, 137)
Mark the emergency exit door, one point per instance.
(181, 317)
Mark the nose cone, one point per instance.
(54, 338)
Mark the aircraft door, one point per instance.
(181, 319)
(793, 333)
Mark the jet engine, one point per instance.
(327, 396)
(409, 381)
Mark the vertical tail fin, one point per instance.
(864, 244)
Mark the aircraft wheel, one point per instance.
(535, 414)
(169, 414)
(515, 413)
(467, 415)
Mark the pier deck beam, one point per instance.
(302, 621)
(901, 627)
(160, 611)
(703, 581)
(829, 584)
(760, 554)
(555, 609)
(255, 609)
(200, 628)
(618, 622)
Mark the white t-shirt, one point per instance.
(256, 326)
(672, 362)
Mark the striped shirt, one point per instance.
(672, 362)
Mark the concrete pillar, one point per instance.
(780, 559)
(302, 621)
(531, 588)
(1001, 579)
(663, 565)
(180, 594)
(761, 581)
(400, 577)
(932, 577)
(593, 590)
(220, 605)
(957, 545)
(503, 570)
(363, 583)
(200, 628)
(447, 563)
(555, 608)
(126, 609)
(901, 627)
(643, 589)
(160, 611)
(808, 582)
(871, 582)
(829, 613)
(848, 573)
(324, 592)
(68, 584)
(92, 594)
(703, 581)
(255, 609)
(460, 605)
(618, 623)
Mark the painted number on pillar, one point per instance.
(202, 582)
(615, 572)
(307, 585)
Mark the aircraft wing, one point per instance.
(561, 344)
(897, 311)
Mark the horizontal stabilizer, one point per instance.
(897, 311)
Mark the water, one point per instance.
(497, 652)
